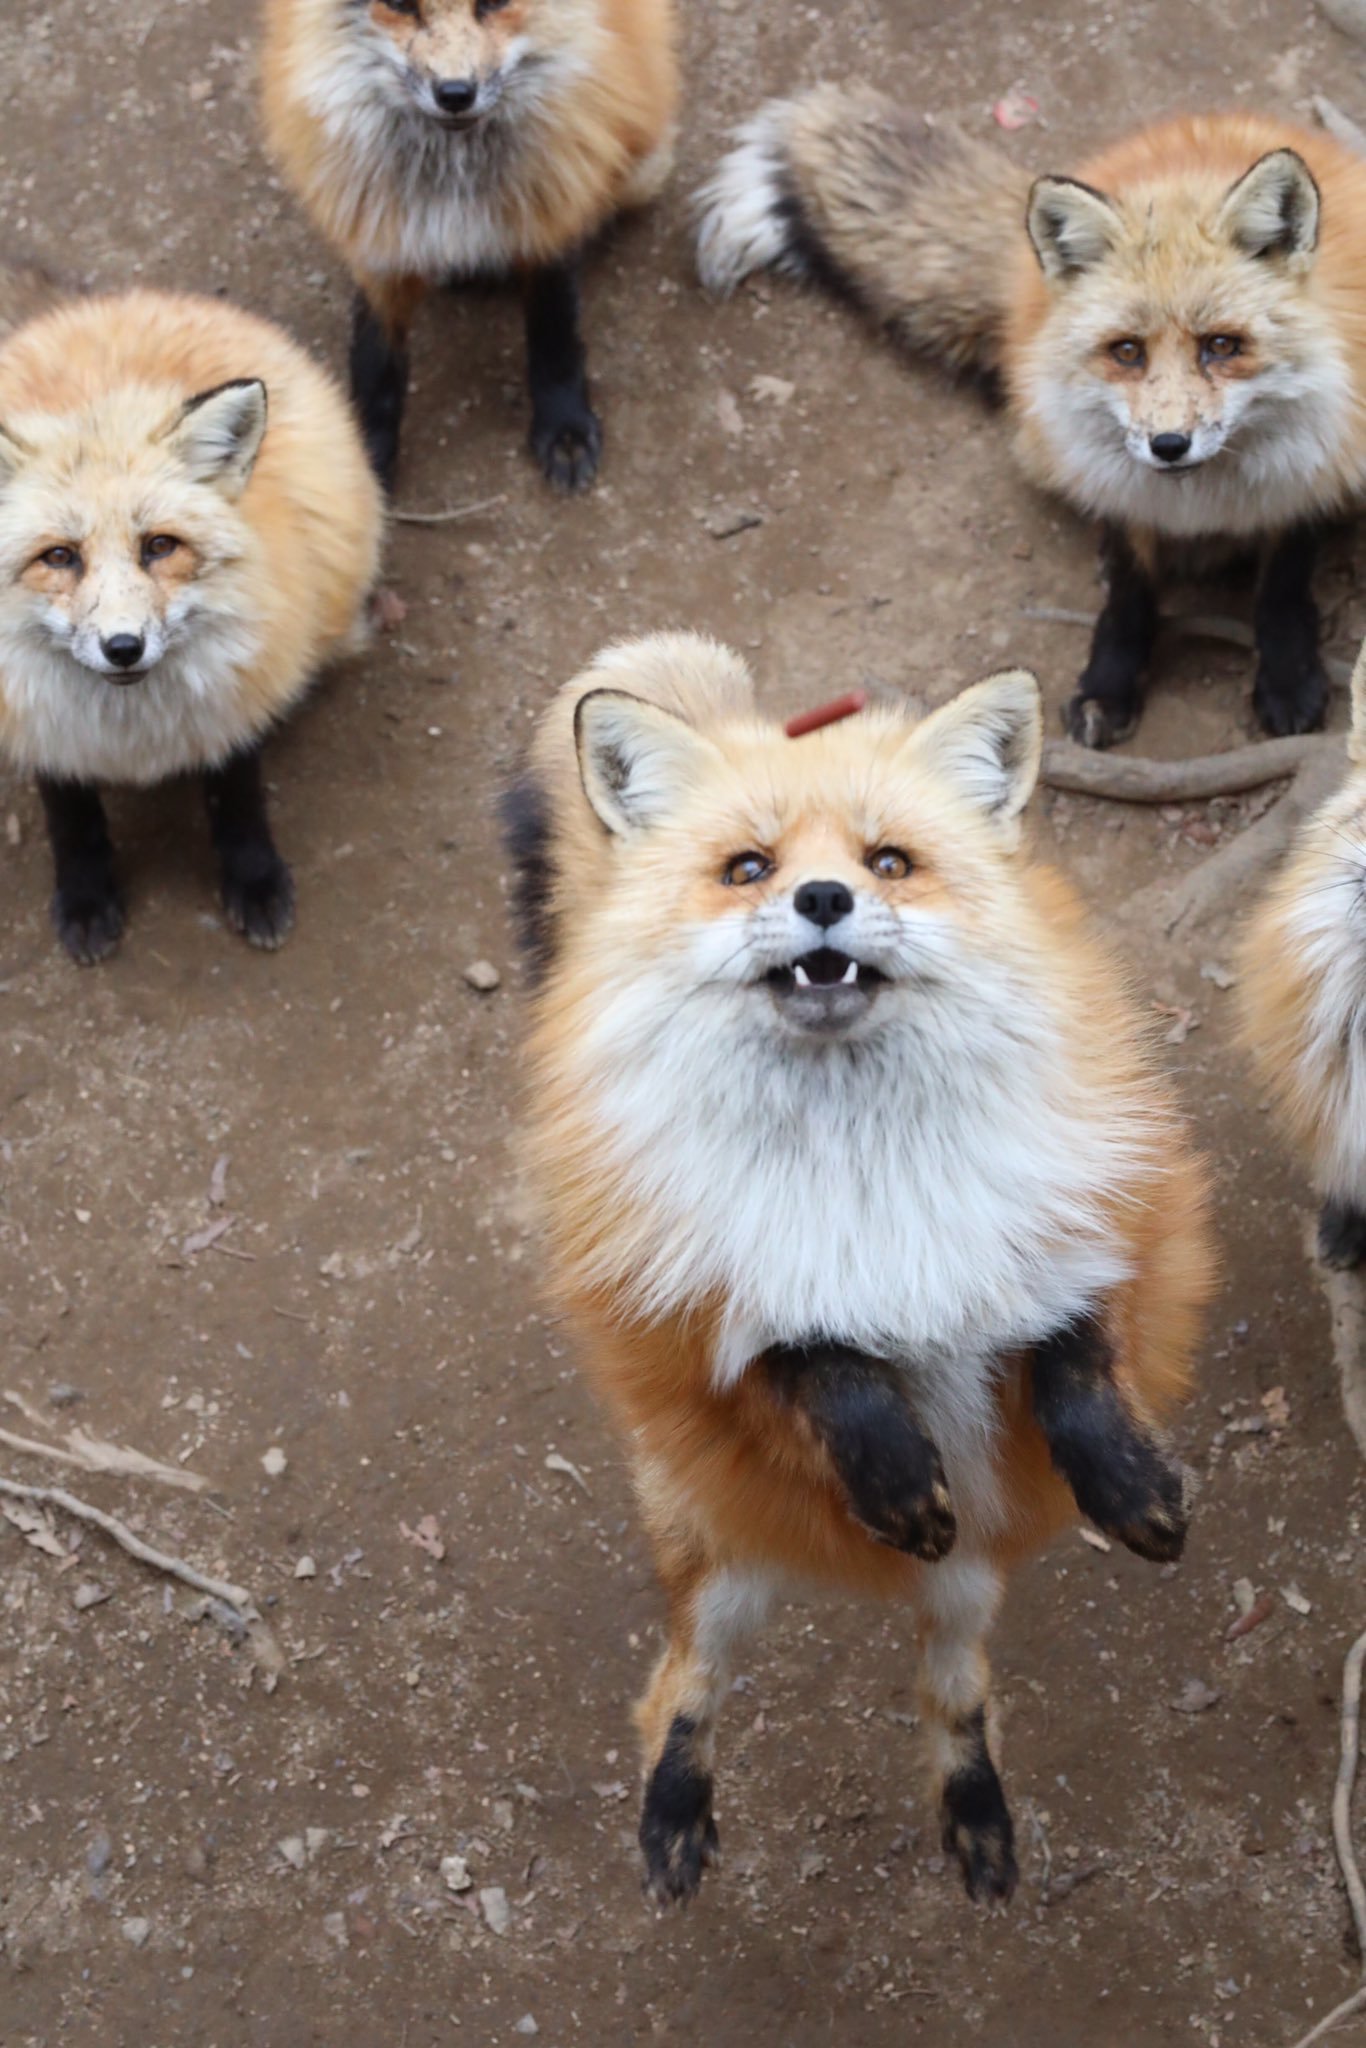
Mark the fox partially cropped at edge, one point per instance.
(1179, 331)
(189, 528)
(873, 1223)
(434, 140)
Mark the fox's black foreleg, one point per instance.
(258, 889)
(566, 437)
(87, 907)
(379, 378)
(1342, 1234)
(1120, 1476)
(859, 1409)
(1109, 697)
(1291, 691)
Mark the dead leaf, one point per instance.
(1277, 1407)
(729, 414)
(1262, 1608)
(1186, 1022)
(426, 1536)
(218, 1182)
(36, 1526)
(1195, 1697)
(1295, 1600)
(776, 390)
(555, 1463)
(200, 1240)
(387, 609)
(1094, 1538)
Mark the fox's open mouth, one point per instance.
(825, 990)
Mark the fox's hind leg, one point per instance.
(1291, 690)
(712, 1608)
(566, 438)
(956, 1603)
(258, 889)
(1109, 697)
(381, 320)
(859, 1409)
(87, 908)
(1120, 1476)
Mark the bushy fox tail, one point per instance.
(26, 290)
(919, 225)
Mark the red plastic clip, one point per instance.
(852, 702)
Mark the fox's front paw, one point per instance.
(89, 921)
(678, 1837)
(566, 439)
(905, 1503)
(1093, 723)
(1293, 702)
(258, 900)
(1126, 1484)
(977, 1828)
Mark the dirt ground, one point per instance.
(187, 1858)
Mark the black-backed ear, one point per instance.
(14, 453)
(986, 743)
(1273, 210)
(1072, 226)
(635, 760)
(218, 434)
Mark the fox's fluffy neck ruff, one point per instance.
(934, 1191)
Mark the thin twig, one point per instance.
(160, 1560)
(1342, 1834)
(451, 512)
(94, 1454)
(1345, 1291)
(1339, 125)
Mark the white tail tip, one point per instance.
(740, 218)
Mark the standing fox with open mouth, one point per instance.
(441, 139)
(876, 1228)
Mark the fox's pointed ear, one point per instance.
(218, 435)
(987, 743)
(1273, 210)
(1356, 738)
(1071, 225)
(635, 760)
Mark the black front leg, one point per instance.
(1120, 1476)
(1291, 690)
(258, 889)
(859, 1409)
(566, 438)
(1109, 696)
(87, 907)
(1342, 1234)
(379, 388)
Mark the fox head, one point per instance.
(806, 891)
(1179, 326)
(119, 532)
(456, 61)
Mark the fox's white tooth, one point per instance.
(800, 976)
(850, 975)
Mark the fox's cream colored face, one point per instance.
(812, 886)
(1179, 324)
(454, 59)
(115, 522)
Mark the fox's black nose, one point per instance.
(125, 650)
(455, 95)
(823, 903)
(1169, 447)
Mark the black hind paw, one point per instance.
(977, 1828)
(1292, 702)
(89, 921)
(258, 900)
(678, 1837)
(1093, 723)
(566, 439)
(1342, 1235)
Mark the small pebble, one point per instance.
(62, 1395)
(88, 1594)
(526, 2025)
(274, 1461)
(455, 1874)
(306, 1568)
(483, 975)
(493, 1903)
(136, 1931)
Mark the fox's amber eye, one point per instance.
(1129, 353)
(158, 545)
(889, 864)
(409, 7)
(60, 558)
(745, 868)
(1220, 347)
(483, 8)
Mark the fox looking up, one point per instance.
(1178, 331)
